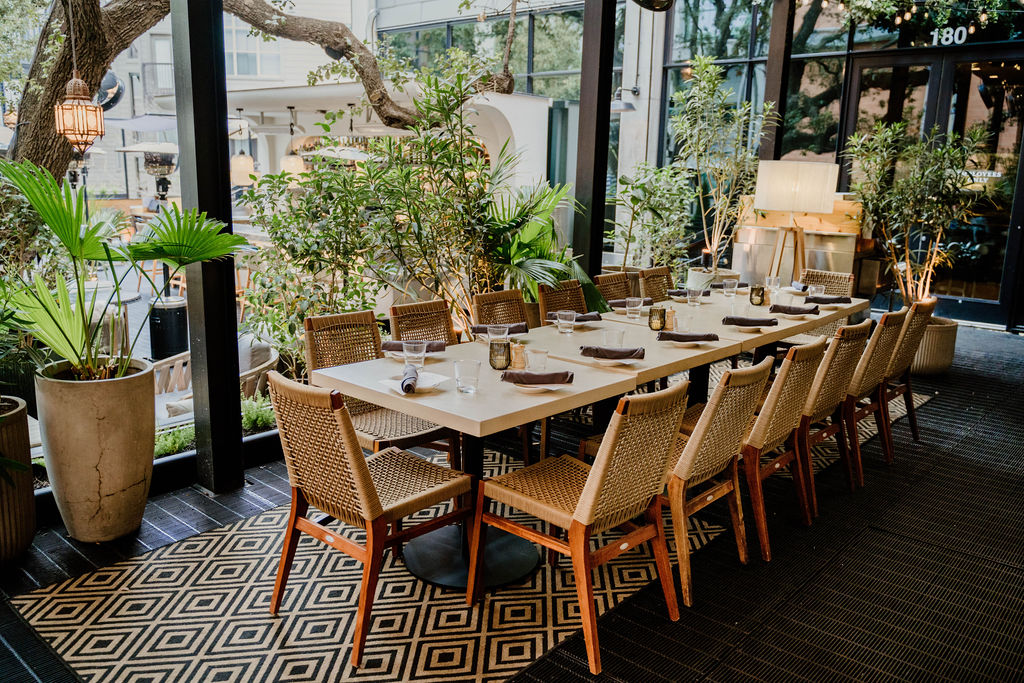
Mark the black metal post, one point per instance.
(592, 143)
(199, 79)
(776, 78)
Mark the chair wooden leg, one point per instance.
(799, 471)
(853, 463)
(526, 439)
(376, 534)
(752, 466)
(803, 451)
(659, 546)
(908, 399)
(842, 443)
(736, 511)
(477, 532)
(579, 545)
(884, 424)
(396, 527)
(455, 450)
(291, 542)
(677, 503)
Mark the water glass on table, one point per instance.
(467, 375)
(497, 332)
(612, 338)
(729, 287)
(415, 353)
(536, 359)
(815, 290)
(693, 296)
(566, 321)
(634, 304)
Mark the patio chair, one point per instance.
(713, 448)
(625, 481)
(327, 469)
(613, 286)
(836, 284)
(655, 283)
(897, 374)
(771, 444)
(423, 321)
(566, 296)
(868, 384)
(354, 337)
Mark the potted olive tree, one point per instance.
(96, 407)
(911, 191)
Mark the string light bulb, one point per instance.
(983, 18)
(899, 20)
(971, 29)
(906, 16)
(842, 6)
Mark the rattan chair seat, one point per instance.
(548, 490)
(385, 424)
(406, 483)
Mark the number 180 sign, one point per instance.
(950, 35)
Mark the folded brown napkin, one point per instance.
(621, 303)
(823, 299)
(611, 353)
(580, 317)
(683, 292)
(409, 378)
(527, 377)
(721, 285)
(432, 346)
(514, 328)
(687, 336)
(749, 322)
(793, 310)
(799, 286)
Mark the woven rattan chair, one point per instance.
(655, 283)
(423, 321)
(821, 417)
(772, 444)
(354, 337)
(624, 482)
(713, 448)
(566, 296)
(613, 286)
(897, 382)
(327, 470)
(835, 284)
(866, 395)
(499, 308)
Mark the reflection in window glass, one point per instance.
(487, 39)
(1004, 22)
(811, 127)
(873, 38)
(246, 55)
(419, 46)
(557, 87)
(818, 27)
(620, 33)
(718, 28)
(558, 41)
(764, 29)
(678, 79)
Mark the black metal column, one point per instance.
(201, 92)
(595, 110)
(776, 78)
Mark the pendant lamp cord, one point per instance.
(71, 29)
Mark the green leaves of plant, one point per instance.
(181, 238)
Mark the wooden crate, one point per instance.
(845, 217)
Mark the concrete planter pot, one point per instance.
(938, 346)
(17, 502)
(699, 278)
(98, 444)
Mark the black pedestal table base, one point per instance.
(438, 558)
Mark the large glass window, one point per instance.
(248, 55)
(813, 104)
(818, 26)
(419, 46)
(558, 41)
(720, 28)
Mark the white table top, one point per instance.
(495, 407)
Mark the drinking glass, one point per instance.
(415, 352)
(567, 321)
(656, 318)
(693, 296)
(773, 285)
(536, 359)
(499, 353)
(815, 290)
(497, 332)
(633, 306)
(729, 287)
(467, 375)
(757, 295)
(613, 338)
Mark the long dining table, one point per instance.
(440, 557)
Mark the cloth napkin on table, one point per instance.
(683, 292)
(612, 353)
(793, 310)
(823, 299)
(527, 377)
(798, 286)
(514, 328)
(621, 303)
(580, 317)
(687, 336)
(392, 345)
(721, 285)
(409, 378)
(741, 321)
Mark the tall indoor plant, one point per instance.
(96, 408)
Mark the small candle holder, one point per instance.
(756, 295)
(705, 258)
(500, 354)
(656, 318)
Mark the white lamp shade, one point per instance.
(242, 166)
(292, 163)
(797, 186)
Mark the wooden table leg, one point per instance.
(700, 377)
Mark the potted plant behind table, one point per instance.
(717, 139)
(912, 192)
(17, 497)
(96, 407)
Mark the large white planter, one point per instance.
(698, 278)
(98, 444)
(938, 346)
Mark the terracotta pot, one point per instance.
(17, 502)
(98, 444)
(938, 346)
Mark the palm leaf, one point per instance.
(181, 238)
(53, 320)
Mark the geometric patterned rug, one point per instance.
(196, 610)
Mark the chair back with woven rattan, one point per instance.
(914, 326)
(321, 451)
(341, 339)
(719, 433)
(780, 414)
(872, 365)
(506, 307)
(655, 283)
(423, 321)
(836, 284)
(835, 371)
(635, 455)
(566, 296)
(613, 286)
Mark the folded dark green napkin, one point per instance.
(824, 299)
(793, 310)
(611, 353)
(687, 336)
(740, 321)
(527, 377)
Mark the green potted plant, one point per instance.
(912, 191)
(96, 406)
(717, 138)
(17, 499)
